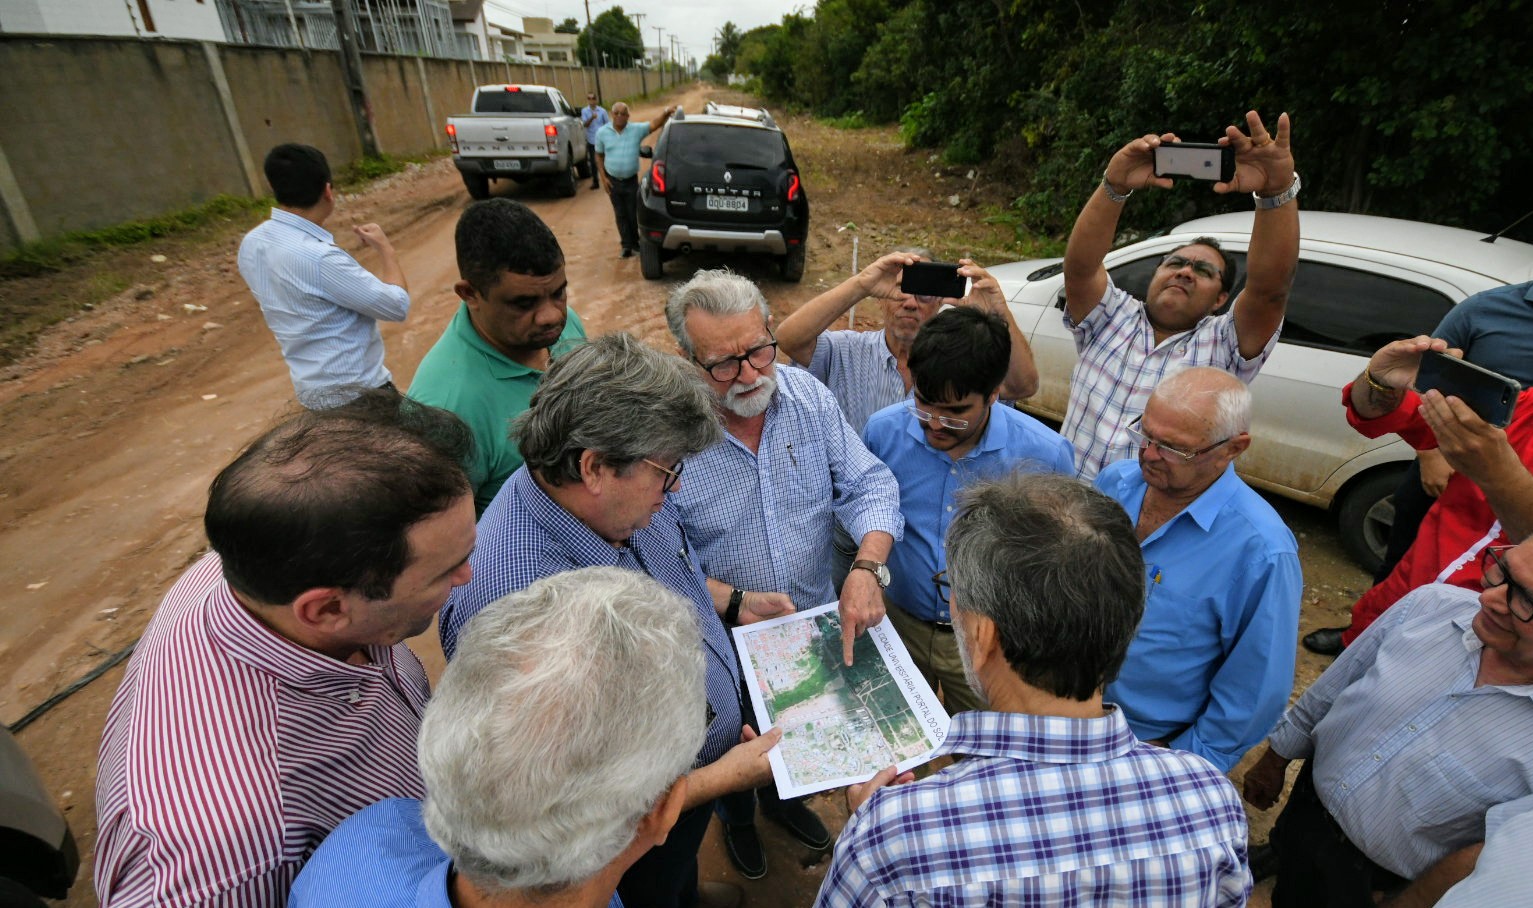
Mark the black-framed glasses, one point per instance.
(728, 368)
(1199, 267)
(1494, 573)
(672, 474)
(946, 422)
(944, 586)
(1145, 441)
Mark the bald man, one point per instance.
(617, 162)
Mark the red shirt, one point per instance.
(1458, 526)
(230, 752)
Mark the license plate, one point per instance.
(726, 203)
(508, 165)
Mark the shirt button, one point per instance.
(952, 472)
(1410, 727)
(1345, 787)
(353, 696)
(950, 507)
(1377, 758)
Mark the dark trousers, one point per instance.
(591, 164)
(625, 210)
(1318, 866)
(1411, 505)
(666, 876)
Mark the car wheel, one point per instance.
(566, 183)
(478, 185)
(793, 263)
(649, 260)
(1366, 515)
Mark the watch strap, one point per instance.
(1265, 203)
(877, 568)
(732, 612)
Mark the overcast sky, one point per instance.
(693, 21)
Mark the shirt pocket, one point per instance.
(1445, 794)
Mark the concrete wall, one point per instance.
(97, 131)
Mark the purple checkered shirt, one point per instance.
(1047, 811)
(1120, 364)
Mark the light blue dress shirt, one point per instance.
(320, 303)
(929, 479)
(594, 116)
(1408, 753)
(1500, 876)
(620, 150)
(1211, 666)
(381, 857)
(762, 521)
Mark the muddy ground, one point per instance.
(115, 423)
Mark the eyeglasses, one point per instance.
(1199, 267)
(946, 422)
(1145, 441)
(728, 368)
(1494, 572)
(672, 475)
(944, 586)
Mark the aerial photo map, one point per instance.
(840, 724)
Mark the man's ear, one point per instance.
(982, 637)
(467, 293)
(594, 471)
(656, 825)
(323, 610)
(1238, 444)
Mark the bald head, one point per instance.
(1215, 398)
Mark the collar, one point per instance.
(990, 441)
(245, 639)
(578, 540)
(432, 891)
(303, 224)
(883, 341)
(1039, 739)
(1204, 509)
(1474, 649)
(501, 366)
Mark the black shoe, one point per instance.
(627, 254)
(1264, 862)
(595, 185)
(744, 847)
(801, 823)
(1326, 641)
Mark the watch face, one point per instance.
(882, 573)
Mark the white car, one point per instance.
(1362, 282)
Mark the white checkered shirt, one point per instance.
(1120, 364)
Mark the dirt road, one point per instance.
(114, 427)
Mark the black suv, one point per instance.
(722, 181)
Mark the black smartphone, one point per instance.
(1199, 160)
(934, 279)
(1490, 395)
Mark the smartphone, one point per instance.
(1199, 160)
(1489, 394)
(934, 279)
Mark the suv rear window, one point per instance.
(711, 145)
(513, 102)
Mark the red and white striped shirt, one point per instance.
(230, 752)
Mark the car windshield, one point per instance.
(513, 102)
(740, 147)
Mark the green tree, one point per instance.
(570, 26)
(730, 37)
(614, 34)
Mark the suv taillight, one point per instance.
(551, 132)
(657, 176)
(452, 137)
(793, 186)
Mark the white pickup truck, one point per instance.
(518, 132)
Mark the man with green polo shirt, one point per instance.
(513, 323)
(617, 162)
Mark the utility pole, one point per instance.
(351, 67)
(595, 59)
(660, 48)
(643, 83)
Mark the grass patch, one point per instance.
(366, 169)
(853, 120)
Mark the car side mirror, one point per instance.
(1059, 301)
(646, 152)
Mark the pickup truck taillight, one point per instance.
(551, 132)
(452, 137)
(793, 186)
(657, 176)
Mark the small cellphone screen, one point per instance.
(933, 279)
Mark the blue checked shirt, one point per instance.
(1047, 811)
(524, 536)
(860, 371)
(1408, 753)
(1121, 364)
(322, 306)
(763, 521)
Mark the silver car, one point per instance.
(1362, 282)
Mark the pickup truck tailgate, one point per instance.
(492, 136)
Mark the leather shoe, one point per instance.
(627, 253)
(743, 844)
(1326, 641)
(719, 895)
(801, 823)
(1264, 862)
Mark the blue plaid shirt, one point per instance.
(860, 371)
(524, 536)
(1047, 811)
(762, 521)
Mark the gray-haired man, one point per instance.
(495, 775)
(604, 439)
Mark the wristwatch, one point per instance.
(879, 569)
(1281, 199)
(732, 613)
